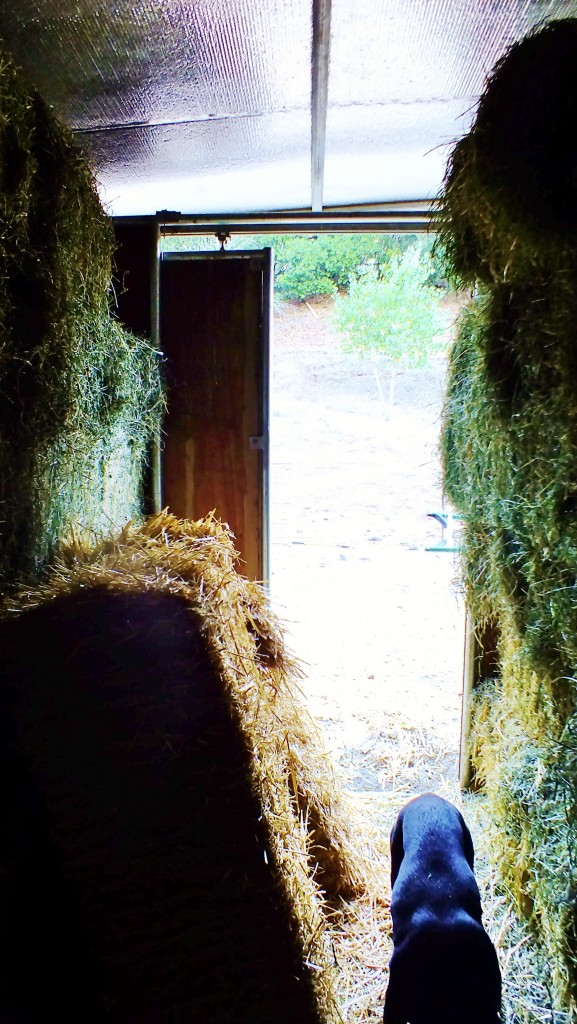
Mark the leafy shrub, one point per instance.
(395, 311)
(319, 264)
(324, 264)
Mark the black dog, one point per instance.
(444, 968)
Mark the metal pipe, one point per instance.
(155, 448)
(394, 220)
(321, 44)
(469, 672)
(267, 313)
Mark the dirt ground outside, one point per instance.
(376, 617)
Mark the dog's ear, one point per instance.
(397, 848)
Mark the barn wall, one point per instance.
(510, 465)
(80, 397)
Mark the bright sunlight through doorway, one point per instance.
(374, 615)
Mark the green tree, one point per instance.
(395, 312)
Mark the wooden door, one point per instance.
(215, 313)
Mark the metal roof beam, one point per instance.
(321, 45)
(411, 216)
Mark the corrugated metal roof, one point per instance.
(205, 105)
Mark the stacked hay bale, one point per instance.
(180, 918)
(509, 443)
(79, 396)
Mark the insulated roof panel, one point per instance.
(153, 61)
(404, 84)
(394, 150)
(177, 104)
(241, 164)
(205, 105)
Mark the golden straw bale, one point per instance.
(309, 827)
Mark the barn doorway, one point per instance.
(359, 572)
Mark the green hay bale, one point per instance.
(80, 398)
(510, 454)
(525, 114)
(509, 448)
(509, 204)
(530, 791)
(509, 464)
